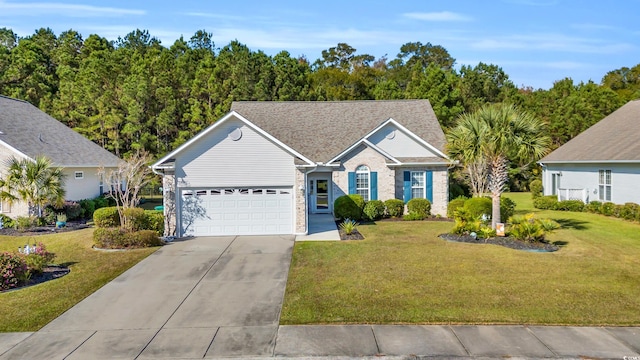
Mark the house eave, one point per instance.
(428, 163)
(589, 162)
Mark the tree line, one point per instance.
(136, 94)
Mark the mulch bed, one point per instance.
(355, 234)
(43, 230)
(503, 241)
(50, 272)
(433, 218)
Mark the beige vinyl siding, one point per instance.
(86, 188)
(217, 160)
(398, 144)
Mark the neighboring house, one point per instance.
(600, 164)
(27, 132)
(265, 166)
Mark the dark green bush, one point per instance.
(507, 208)
(154, 220)
(7, 222)
(116, 238)
(629, 211)
(569, 205)
(535, 186)
(344, 207)
(106, 217)
(593, 207)
(608, 209)
(478, 206)
(73, 210)
(358, 199)
(456, 190)
(374, 209)
(395, 207)
(419, 206)
(413, 216)
(545, 202)
(454, 205)
(88, 206)
(100, 202)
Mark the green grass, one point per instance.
(29, 309)
(404, 273)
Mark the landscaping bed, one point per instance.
(506, 241)
(43, 230)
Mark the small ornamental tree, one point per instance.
(126, 181)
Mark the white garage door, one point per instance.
(237, 211)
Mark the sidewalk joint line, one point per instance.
(82, 343)
(458, 338)
(537, 338)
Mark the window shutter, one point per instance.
(352, 183)
(429, 180)
(374, 185)
(407, 186)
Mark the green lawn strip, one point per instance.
(404, 273)
(31, 308)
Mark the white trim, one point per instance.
(590, 162)
(76, 173)
(18, 152)
(424, 163)
(218, 123)
(368, 172)
(411, 135)
(424, 183)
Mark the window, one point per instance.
(79, 174)
(604, 185)
(362, 182)
(417, 184)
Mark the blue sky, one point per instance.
(536, 42)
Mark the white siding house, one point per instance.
(600, 164)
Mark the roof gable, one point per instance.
(27, 130)
(616, 138)
(321, 130)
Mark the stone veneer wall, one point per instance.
(169, 203)
(300, 200)
(440, 187)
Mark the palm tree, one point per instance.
(34, 181)
(495, 135)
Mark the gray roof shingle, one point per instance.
(33, 132)
(614, 138)
(321, 130)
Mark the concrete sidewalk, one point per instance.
(322, 227)
(376, 341)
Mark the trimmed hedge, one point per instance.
(154, 220)
(507, 208)
(116, 238)
(545, 202)
(106, 217)
(454, 205)
(478, 206)
(374, 209)
(535, 186)
(395, 207)
(419, 207)
(344, 207)
(569, 205)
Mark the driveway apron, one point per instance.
(195, 298)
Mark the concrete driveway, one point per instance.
(195, 298)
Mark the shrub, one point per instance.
(25, 222)
(528, 228)
(115, 238)
(569, 205)
(535, 186)
(349, 226)
(38, 258)
(545, 202)
(608, 209)
(593, 207)
(465, 222)
(100, 202)
(395, 207)
(630, 211)
(419, 206)
(454, 205)
(73, 210)
(413, 216)
(344, 207)
(13, 270)
(7, 222)
(135, 218)
(486, 232)
(153, 220)
(507, 208)
(456, 190)
(106, 217)
(478, 206)
(88, 207)
(358, 199)
(374, 209)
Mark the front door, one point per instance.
(319, 195)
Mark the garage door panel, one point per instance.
(239, 211)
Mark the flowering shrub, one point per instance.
(13, 271)
(38, 258)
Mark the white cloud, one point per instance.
(551, 42)
(437, 16)
(63, 9)
(532, 2)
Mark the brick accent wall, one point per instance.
(300, 200)
(376, 162)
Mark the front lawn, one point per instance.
(404, 273)
(30, 308)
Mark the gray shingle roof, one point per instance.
(33, 132)
(320, 130)
(614, 138)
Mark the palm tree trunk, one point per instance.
(497, 179)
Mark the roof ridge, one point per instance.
(14, 99)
